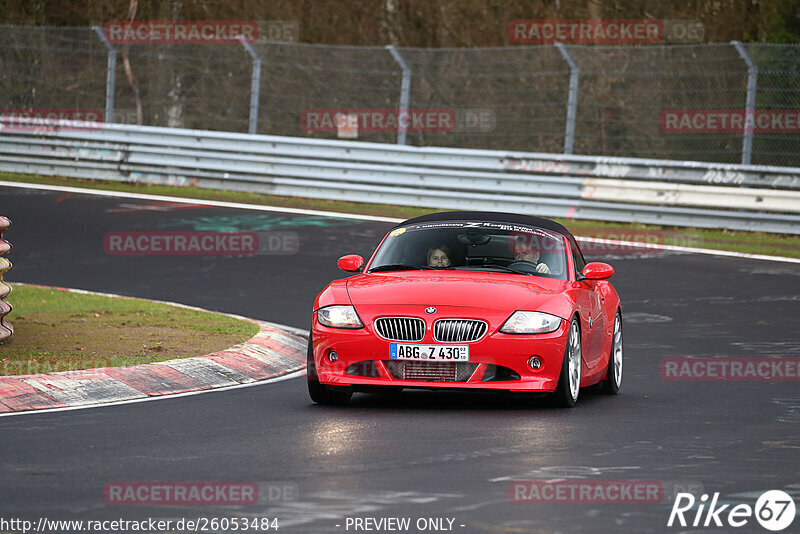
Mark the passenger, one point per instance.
(439, 256)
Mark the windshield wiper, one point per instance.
(493, 266)
(398, 267)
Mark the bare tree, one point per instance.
(126, 62)
(390, 21)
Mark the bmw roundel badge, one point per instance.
(430, 310)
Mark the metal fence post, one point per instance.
(572, 101)
(255, 86)
(405, 89)
(111, 74)
(750, 106)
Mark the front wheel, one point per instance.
(569, 381)
(613, 379)
(320, 393)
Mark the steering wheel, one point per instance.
(524, 266)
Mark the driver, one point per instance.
(531, 254)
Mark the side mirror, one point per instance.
(597, 271)
(353, 263)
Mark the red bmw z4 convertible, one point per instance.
(468, 300)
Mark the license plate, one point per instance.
(436, 353)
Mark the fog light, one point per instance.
(332, 356)
(535, 363)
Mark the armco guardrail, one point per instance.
(742, 197)
(5, 307)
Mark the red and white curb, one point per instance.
(275, 351)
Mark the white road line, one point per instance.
(692, 250)
(215, 203)
(254, 207)
(295, 374)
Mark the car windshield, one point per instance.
(474, 246)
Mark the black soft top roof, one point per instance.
(490, 216)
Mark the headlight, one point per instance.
(527, 322)
(339, 317)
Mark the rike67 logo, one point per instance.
(774, 510)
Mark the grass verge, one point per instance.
(57, 330)
(729, 240)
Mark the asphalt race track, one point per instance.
(417, 454)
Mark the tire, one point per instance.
(569, 381)
(320, 393)
(613, 379)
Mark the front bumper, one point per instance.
(503, 351)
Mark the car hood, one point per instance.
(484, 290)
